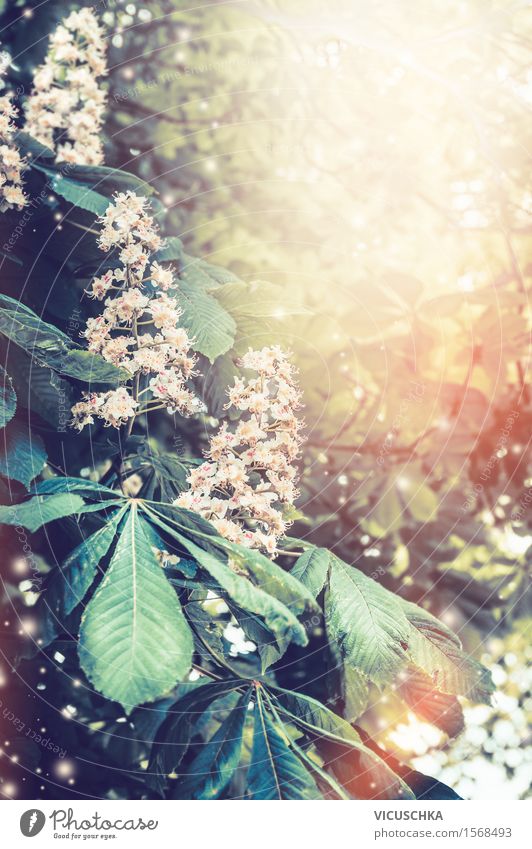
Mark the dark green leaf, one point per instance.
(82, 486)
(51, 347)
(75, 192)
(8, 398)
(212, 769)
(174, 735)
(22, 455)
(217, 378)
(275, 771)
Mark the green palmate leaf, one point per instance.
(50, 347)
(441, 709)
(92, 490)
(332, 733)
(204, 275)
(67, 586)
(436, 650)
(174, 735)
(75, 192)
(8, 398)
(107, 181)
(278, 618)
(41, 509)
(271, 577)
(324, 725)
(312, 715)
(355, 692)
(134, 640)
(174, 521)
(40, 389)
(22, 455)
(210, 326)
(267, 574)
(275, 771)
(367, 622)
(312, 569)
(211, 770)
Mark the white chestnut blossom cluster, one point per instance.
(65, 109)
(138, 329)
(12, 164)
(249, 479)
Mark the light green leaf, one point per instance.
(40, 510)
(367, 622)
(134, 642)
(436, 650)
(207, 322)
(356, 692)
(312, 569)
(67, 586)
(204, 275)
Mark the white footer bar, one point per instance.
(226, 825)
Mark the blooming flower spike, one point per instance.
(249, 478)
(12, 164)
(138, 329)
(65, 109)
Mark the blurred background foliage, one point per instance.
(374, 161)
